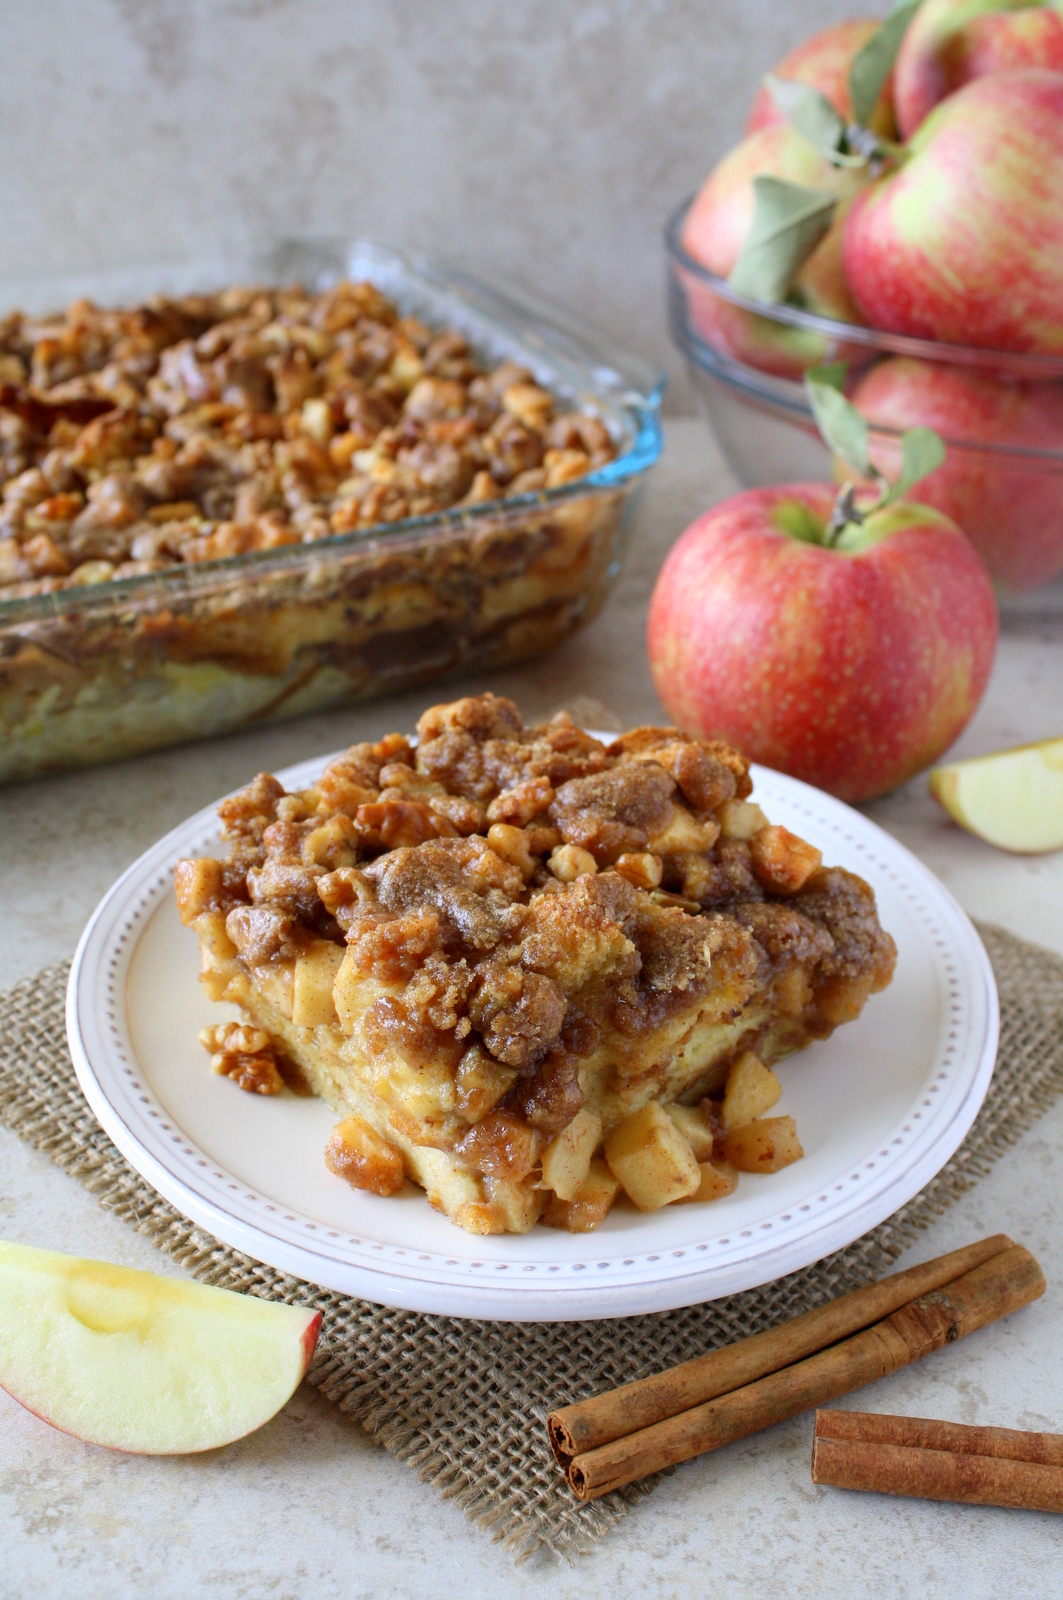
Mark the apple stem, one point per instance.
(878, 153)
(845, 511)
(862, 142)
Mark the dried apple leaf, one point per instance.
(788, 223)
(845, 432)
(873, 64)
(843, 429)
(813, 116)
(922, 452)
(810, 112)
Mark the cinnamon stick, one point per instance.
(938, 1460)
(998, 1286)
(589, 1423)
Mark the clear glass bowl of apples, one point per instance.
(908, 223)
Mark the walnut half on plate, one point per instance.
(532, 971)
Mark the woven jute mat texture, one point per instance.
(465, 1402)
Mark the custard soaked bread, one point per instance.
(528, 969)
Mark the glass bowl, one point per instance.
(746, 362)
(94, 673)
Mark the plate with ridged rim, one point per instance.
(880, 1107)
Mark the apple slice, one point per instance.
(136, 1362)
(1013, 799)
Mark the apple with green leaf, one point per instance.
(845, 640)
(770, 216)
(134, 1361)
(951, 42)
(825, 62)
(771, 199)
(961, 236)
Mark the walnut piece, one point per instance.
(243, 1054)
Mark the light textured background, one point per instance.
(544, 143)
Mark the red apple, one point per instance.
(1011, 508)
(721, 214)
(851, 667)
(716, 227)
(951, 42)
(823, 62)
(964, 241)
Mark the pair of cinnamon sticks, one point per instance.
(627, 1433)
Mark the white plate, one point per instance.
(880, 1107)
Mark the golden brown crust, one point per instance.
(195, 429)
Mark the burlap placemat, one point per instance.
(465, 1402)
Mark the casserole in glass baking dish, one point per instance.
(131, 623)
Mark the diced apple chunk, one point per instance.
(199, 886)
(134, 1361)
(357, 1153)
(315, 975)
(783, 862)
(1012, 799)
(651, 1158)
(589, 1206)
(752, 1088)
(567, 1158)
(763, 1146)
(479, 1083)
(741, 819)
(695, 1128)
(718, 1178)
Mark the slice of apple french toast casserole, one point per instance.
(531, 971)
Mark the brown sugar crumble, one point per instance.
(186, 430)
(532, 969)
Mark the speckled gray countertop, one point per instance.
(308, 1506)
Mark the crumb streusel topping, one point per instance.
(184, 430)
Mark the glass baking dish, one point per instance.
(95, 673)
(747, 360)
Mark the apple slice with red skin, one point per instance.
(1012, 798)
(134, 1361)
(852, 665)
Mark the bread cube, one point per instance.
(567, 1158)
(357, 1153)
(589, 1206)
(695, 1128)
(652, 1159)
(315, 976)
(521, 1204)
(763, 1146)
(752, 1088)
